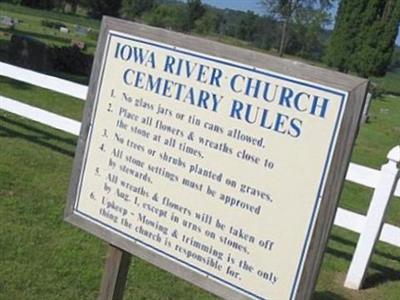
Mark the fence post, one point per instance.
(374, 220)
(367, 104)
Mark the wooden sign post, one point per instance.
(115, 273)
(220, 165)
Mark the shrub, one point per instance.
(51, 24)
(33, 54)
(71, 60)
(29, 53)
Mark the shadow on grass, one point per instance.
(385, 274)
(4, 43)
(37, 136)
(15, 84)
(326, 296)
(37, 35)
(353, 244)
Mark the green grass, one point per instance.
(376, 138)
(38, 97)
(44, 258)
(380, 133)
(390, 83)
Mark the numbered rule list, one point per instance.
(216, 165)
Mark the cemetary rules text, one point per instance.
(183, 158)
(211, 76)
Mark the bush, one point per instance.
(132, 9)
(40, 4)
(33, 54)
(98, 8)
(29, 53)
(376, 90)
(168, 16)
(71, 60)
(51, 24)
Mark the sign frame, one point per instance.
(355, 87)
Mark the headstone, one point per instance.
(80, 30)
(64, 29)
(6, 21)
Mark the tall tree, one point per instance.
(285, 10)
(132, 9)
(209, 22)
(41, 4)
(98, 8)
(167, 16)
(74, 5)
(343, 40)
(307, 35)
(195, 11)
(364, 37)
(247, 26)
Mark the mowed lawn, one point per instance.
(391, 82)
(42, 257)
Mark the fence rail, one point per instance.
(48, 82)
(39, 115)
(370, 227)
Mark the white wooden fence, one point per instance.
(371, 227)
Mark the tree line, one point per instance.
(257, 31)
(362, 41)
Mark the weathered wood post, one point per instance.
(375, 220)
(115, 274)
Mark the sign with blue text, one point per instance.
(205, 161)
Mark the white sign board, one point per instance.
(214, 165)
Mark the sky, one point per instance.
(236, 4)
(254, 5)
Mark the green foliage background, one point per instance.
(364, 36)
